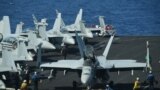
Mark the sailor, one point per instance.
(151, 80)
(108, 87)
(27, 72)
(24, 85)
(136, 84)
(35, 79)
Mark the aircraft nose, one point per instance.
(48, 45)
(69, 40)
(29, 57)
(84, 80)
(90, 35)
(72, 41)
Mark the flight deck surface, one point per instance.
(124, 47)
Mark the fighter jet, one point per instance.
(18, 49)
(32, 38)
(12, 50)
(79, 26)
(5, 28)
(90, 65)
(76, 25)
(54, 32)
(101, 30)
(7, 62)
(82, 29)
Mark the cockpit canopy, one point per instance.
(89, 51)
(10, 40)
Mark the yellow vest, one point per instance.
(23, 86)
(136, 85)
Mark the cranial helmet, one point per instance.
(24, 81)
(150, 71)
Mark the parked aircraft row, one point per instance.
(67, 32)
(31, 37)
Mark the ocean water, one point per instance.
(129, 17)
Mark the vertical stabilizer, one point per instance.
(82, 27)
(6, 26)
(57, 24)
(32, 40)
(148, 56)
(101, 21)
(78, 19)
(35, 21)
(19, 28)
(84, 31)
(1, 26)
(41, 27)
(22, 52)
(62, 22)
(42, 30)
(105, 53)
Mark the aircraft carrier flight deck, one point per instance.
(124, 47)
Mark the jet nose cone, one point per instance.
(69, 40)
(90, 35)
(29, 57)
(72, 41)
(84, 79)
(47, 45)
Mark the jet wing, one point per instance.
(5, 68)
(126, 63)
(122, 61)
(2, 85)
(50, 34)
(73, 34)
(119, 63)
(64, 64)
(95, 29)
